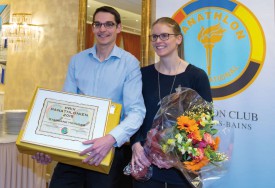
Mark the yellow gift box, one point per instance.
(66, 156)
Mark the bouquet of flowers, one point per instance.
(185, 135)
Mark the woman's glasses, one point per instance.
(107, 25)
(162, 36)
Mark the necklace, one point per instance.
(171, 86)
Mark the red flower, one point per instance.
(201, 154)
(208, 139)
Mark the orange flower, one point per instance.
(189, 125)
(216, 143)
(196, 164)
(195, 135)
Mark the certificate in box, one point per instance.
(57, 123)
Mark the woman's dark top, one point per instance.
(194, 78)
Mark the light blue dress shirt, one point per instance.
(118, 78)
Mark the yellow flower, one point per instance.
(171, 142)
(164, 148)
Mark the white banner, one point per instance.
(234, 41)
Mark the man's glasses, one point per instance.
(107, 25)
(162, 36)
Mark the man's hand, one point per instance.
(101, 146)
(42, 158)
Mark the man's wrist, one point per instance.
(111, 139)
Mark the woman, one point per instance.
(159, 80)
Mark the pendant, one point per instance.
(178, 89)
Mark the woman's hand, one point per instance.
(42, 158)
(162, 164)
(138, 156)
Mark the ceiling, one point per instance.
(130, 12)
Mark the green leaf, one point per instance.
(214, 131)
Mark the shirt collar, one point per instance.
(114, 53)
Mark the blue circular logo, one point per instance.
(226, 40)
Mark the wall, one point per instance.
(45, 65)
(1, 87)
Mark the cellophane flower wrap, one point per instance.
(185, 135)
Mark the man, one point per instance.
(104, 71)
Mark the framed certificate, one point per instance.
(57, 123)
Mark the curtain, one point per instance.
(19, 170)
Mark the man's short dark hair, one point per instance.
(110, 10)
